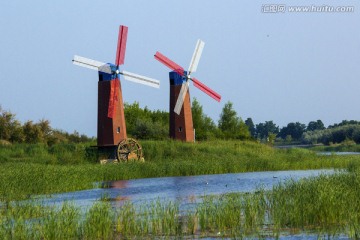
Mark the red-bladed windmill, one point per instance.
(181, 123)
(111, 128)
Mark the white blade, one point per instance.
(181, 98)
(140, 79)
(92, 64)
(196, 56)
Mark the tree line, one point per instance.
(312, 133)
(147, 124)
(143, 123)
(12, 130)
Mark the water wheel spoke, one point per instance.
(129, 149)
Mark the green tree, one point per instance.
(345, 122)
(32, 132)
(264, 129)
(295, 130)
(243, 132)
(315, 125)
(205, 127)
(250, 124)
(231, 126)
(10, 128)
(144, 123)
(133, 112)
(146, 129)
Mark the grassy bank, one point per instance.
(327, 206)
(27, 170)
(337, 148)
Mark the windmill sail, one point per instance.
(91, 64)
(170, 64)
(140, 79)
(206, 89)
(121, 47)
(181, 97)
(196, 56)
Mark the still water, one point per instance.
(181, 189)
(188, 190)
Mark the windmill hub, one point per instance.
(185, 77)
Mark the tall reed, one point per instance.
(328, 205)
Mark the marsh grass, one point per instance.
(326, 206)
(27, 170)
(343, 147)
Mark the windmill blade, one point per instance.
(196, 56)
(121, 46)
(92, 64)
(181, 98)
(206, 89)
(140, 79)
(170, 64)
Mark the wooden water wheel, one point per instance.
(129, 150)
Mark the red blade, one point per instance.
(206, 89)
(121, 47)
(114, 97)
(170, 64)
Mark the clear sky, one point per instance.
(283, 66)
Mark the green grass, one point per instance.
(27, 170)
(337, 148)
(326, 206)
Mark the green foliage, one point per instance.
(344, 123)
(230, 125)
(334, 135)
(318, 125)
(33, 133)
(146, 124)
(324, 206)
(204, 126)
(10, 128)
(264, 129)
(328, 204)
(12, 131)
(27, 170)
(295, 130)
(249, 122)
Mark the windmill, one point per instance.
(181, 124)
(111, 129)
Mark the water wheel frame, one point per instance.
(129, 150)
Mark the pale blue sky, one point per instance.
(284, 67)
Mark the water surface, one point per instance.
(183, 189)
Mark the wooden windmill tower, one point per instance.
(111, 127)
(181, 123)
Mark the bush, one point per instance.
(334, 135)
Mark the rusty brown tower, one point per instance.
(110, 129)
(181, 125)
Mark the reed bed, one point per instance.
(28, 170)
(326, 206)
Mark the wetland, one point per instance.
(226, 189)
